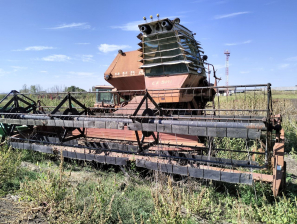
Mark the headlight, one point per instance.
(199, 70)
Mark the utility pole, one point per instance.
(227, 53)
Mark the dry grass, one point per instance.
(109, 197)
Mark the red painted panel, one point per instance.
(134, 82)
(127, 135)
(165, 82)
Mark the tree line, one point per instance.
(55, 89)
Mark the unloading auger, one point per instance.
(162, 114)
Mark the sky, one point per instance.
(72, 42)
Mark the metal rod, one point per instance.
(155, 120)
(126, 117)
(94, 117)
(211, 109)
(125, 91)
(91, 117)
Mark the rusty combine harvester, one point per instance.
(162, 113)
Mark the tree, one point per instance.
(57, 89)
(74, 89)
(24, 89)
(33, 89)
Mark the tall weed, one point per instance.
(10, 161)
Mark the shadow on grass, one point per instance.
(291, 188)
(13, 185)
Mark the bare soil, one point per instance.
(12, 211)
(291, 167)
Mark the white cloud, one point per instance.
(35, 48)
(82, 43)
(43, 71)
(219, 66)
(18, 68)
(111, 47)
(2, 71)
(9, 60)
(247, 42)
(244, 72)
(230, 15)
(283, 65)
(72, 25)
(131, 26)
(14, 69)
(292, 59)
(87, 58)
(233, 44)
(56, 57)
(269, 3)
(82, 73)
(220, 2)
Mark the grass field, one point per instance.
(68, 192)
(284, 94)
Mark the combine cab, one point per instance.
(104, 97)
(161, 113)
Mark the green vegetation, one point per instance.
(287, 96)
(74, 89)
(255, 101)
(9, 163)
(35, 89)
(284, 94)
(54, 99)
(68, 192)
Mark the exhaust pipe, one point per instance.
(166, 25)
(145, 29)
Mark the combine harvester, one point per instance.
(162, 113)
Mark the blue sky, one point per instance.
(71, 42)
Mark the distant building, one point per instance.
(223, 91)
(293, 88)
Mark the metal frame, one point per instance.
(86, 111)
(14, 102)
(13, 107)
